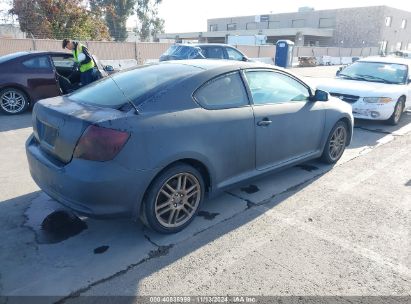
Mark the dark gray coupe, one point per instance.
(152, 141)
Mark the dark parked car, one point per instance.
(26, 77)
(201, 51)
(152, 141)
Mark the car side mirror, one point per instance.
(245, 58)
(320, 96)
(108, 68)
(339, 71)
(409, 81)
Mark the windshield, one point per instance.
(183, 51)
(376, 72)
(122, 87)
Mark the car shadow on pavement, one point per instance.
(369, 133)
(103, 249)
(14, 122)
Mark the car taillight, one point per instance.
(100, 144)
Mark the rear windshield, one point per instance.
(122, 87)
(183, 51)
(11, 56)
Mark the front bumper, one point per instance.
(373, 111)
(95, 189)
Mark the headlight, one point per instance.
(377, 99)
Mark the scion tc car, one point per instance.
(153, 141)
(377, 88)
(26, 77)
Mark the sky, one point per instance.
(192, 15)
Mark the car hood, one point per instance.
(357, 88)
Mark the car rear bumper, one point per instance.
(95, 189)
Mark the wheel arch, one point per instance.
(350, 128)
(403, 97)
(195, 163)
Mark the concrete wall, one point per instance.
(141, 53)
(359, 26)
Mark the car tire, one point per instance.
(336, 143)
(396, 115)
(173, 199)
(13, 101)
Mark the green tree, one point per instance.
(150, 23)
(116, 13)
(57, 19)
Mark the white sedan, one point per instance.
(378, 88)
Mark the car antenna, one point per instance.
(129, 101)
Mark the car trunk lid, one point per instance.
(58, 124)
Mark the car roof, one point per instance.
(203, 44)
(17, 55)
(49, 53)
(212, 44)
(210, 64)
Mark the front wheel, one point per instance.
(13, 101)
(173, 199)
(396, 115)
(336, 143)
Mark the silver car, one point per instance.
(153, 141)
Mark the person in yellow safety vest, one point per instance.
(83, 58)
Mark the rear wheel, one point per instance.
(336, 143)
(13, 101)
(396, 115)
(173, 199)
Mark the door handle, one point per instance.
(265, 122)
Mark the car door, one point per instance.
(228, 134)
(42, 79)
(65, 66)
(288, 125)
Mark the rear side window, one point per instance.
(63, 61)
(38, 63)
(214, 52)
(223, 92)
(132, 85)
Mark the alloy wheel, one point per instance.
(12, 101)
(337, 142)
(398, 112)
(178, 200)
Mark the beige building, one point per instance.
(375, 26)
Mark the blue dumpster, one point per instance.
(284, 53)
